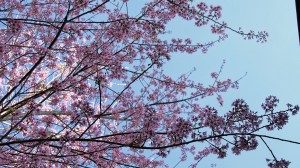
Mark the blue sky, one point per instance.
(272, 69)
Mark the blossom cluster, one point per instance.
(13, 26)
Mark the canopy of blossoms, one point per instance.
(82, 85)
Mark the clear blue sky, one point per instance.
(273, 69)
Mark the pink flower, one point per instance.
(214, 75)
(220, 100)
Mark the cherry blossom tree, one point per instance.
(82, 85)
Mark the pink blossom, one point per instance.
(220, 100)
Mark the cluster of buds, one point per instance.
(278, 164)
(80, 3)
(13, 26)
(180, 129)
